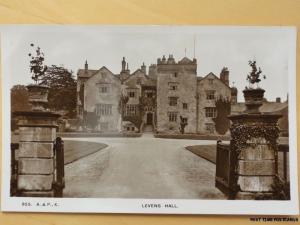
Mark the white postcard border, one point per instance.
(108, 205)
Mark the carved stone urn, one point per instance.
(253, 99)
(38, 96)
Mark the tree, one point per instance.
(122, 104)
(222, 123)
(19, 98)
(19, 102)
(37, 67)
(91, 119)
(183, 124)
(62, 89)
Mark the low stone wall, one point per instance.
(82, 134)
(193, 136)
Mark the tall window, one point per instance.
(173, 101)
(172, 116)
(104, 125)
(184, 105)
(211, 112)
(131, 94)
(210, 81)
(131, 110)
(149, 94)
(173, 86)
(210, 94)
(103, 89)
(103, 109)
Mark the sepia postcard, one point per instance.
(149, 119)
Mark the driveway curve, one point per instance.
(144, 167)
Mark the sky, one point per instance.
(213, 47)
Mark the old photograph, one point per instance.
(149, 119)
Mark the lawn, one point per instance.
(75, 150)
(207, 152)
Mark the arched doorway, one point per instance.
(149, 118)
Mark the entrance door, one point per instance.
(149, 118)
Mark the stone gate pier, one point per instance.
(36, 174)
(254, 147)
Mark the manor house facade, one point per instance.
(168, 94)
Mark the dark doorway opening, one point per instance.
(149, 118)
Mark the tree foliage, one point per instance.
(62, 92)
(37, 67)
(222, 123)
(183, 124)
(122, 104)
(91, 119)
(19, 98)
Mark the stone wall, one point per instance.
(209, 83)
(37, 132)
(93, 96)
(184, 77)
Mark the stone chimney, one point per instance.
(278, 99)
(123, 64)
(224, 75)
(153, 71)
(125, 72)
(143, 68)
(86, 65)
(163, 59)
(171, 60)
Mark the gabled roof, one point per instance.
(267, 107)
(130, 84)
(101, 69)
(185, 60)
(134, 73)
(216, 77)
(82, 73)
(199, 78)
(149, 82)
(138, 70)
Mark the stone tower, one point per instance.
(176, 88)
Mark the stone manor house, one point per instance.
(168, 93)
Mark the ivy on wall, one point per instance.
(222, 123)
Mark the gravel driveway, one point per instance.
(144, 167)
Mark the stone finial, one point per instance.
(143, 68)
(123, 64)
(86, 65)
